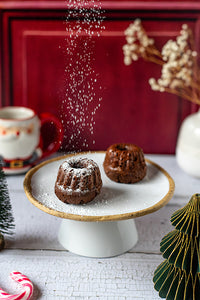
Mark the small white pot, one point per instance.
(188, 145)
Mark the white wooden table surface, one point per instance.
(58, 274)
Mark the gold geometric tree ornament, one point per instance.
(178, 276)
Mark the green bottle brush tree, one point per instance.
(6, 217)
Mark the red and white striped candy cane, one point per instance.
(27, 285)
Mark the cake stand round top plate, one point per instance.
(117, 201)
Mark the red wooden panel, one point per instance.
(129, 111)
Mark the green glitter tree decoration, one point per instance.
(6, 217)
(178, 276)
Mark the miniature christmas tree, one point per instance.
(6, 218)
(178, 277)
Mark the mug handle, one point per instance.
(51, 134)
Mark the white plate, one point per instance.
(116, 201)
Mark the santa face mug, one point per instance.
(23, 140)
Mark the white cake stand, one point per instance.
(104, 227)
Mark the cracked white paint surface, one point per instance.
(62, 275)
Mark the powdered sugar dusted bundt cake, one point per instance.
(78, 181)
(125, 163)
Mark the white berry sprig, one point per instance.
(179, 73)
(139, 45)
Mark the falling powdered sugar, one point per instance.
(83, 91)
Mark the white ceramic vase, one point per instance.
(188, 145)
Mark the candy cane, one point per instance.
(26, 284)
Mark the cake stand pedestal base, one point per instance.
(98, 239)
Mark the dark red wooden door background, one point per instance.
(35, 72)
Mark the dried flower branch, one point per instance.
(179, 74)
(139, 45)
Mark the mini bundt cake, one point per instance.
(125, 163)
(78, 181)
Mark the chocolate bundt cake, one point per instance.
(78, 181)
(125, 163)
